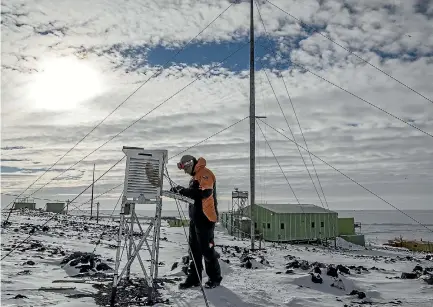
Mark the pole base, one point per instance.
(113, 296)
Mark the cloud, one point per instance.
(128, 43)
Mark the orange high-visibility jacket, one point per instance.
(203, 190)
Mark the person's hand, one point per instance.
(177, 189)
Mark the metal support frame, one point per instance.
(239, 203)
(143, 185)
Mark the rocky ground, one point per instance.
(70, 259)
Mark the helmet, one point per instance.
(187, 164)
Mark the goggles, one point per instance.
(181, 165)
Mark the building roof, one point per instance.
(294, 208)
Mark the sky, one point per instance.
(66, 66)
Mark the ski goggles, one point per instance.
(183, 165)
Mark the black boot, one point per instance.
(190, 282)
(213, 283)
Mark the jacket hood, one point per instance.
(201, 162)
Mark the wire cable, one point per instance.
(102, 234)
(155, 74)
(202, 141)
(351, 52)
(143, 116)
(354, 181)
(276, 159)
(52, 217)
(305, 141)
(352, 94)
(285, 118)
(290, 129)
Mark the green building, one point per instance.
(346, 230)
(25, 205)
(294, 222)
(55, 207)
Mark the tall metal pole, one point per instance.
(91, 201)
(97, 212)
(252, 125)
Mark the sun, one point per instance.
(64, 83)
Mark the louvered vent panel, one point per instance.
(143, 177)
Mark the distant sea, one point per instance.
(378, 226)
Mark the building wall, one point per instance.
(240, 227)
(296, 226)
(355, 239)
(55, 207)
(30, 206)
(346, 226)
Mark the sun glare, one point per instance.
(64, 83)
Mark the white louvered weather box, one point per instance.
(144, 174)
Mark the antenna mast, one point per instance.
(252, 125)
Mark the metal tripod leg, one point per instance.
(155, 249)
(116, 269)
(131, 239)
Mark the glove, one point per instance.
(177, 189)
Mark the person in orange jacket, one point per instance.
(203, 216)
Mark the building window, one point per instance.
(322, 224)
(255, 225)
(312, 225)
(282, 225)
(269, 225)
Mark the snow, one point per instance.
(263, 285)
(347, 245)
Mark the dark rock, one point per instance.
(30, 262)
(185, 259)
(45, 228)
(332, 271)
(318, 264)
(248, 264)
(20, 296)
(361, 295)
(343, 269)
(354, 292)
(304, 265)
(317, 270)
(103, 267)
(429, 257)
(429, 279)
(185, 269)
(74, 262)
(84, 268)
(263, 260)
(25, 272)
(278, 272)
(290, 271)
(409, 275)
(294, 264)
(16, 230)
(417, 268)
(175, 265)
(226, 261)
(316, 278)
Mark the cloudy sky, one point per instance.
(67, 64)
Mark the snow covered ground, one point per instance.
(280, 275)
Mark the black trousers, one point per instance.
(201, 243)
